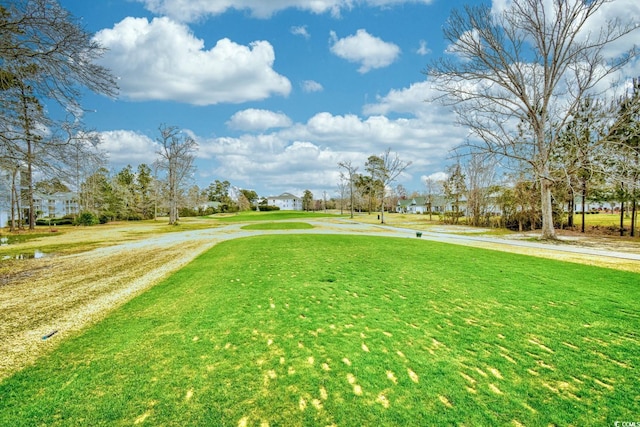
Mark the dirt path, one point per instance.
(68, 293)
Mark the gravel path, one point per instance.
(68, 293)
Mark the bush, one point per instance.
(106, 216)
(186, 212)
(266, 208)
(54, 221)
(86, 218)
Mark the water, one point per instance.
(30, 254)
(36, 254)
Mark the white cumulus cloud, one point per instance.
(417, 100)
(128, 147)
(435, 177)
(311, 86)
(423, 49)
(304, 155)
(300, 31)
(411, 100)
(163, 60)
(363, 48)
(258, 120)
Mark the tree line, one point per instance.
(162, 188)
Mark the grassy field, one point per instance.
(278, 225)
(601, 220)
(270, 216)
(350, 330)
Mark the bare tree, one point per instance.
(387, 171)
(44, 54)
(480, 171)
(176, 157)
(528, 65)
(349, 174)
(341, 190)
(80, 152)
(454, 189)
(434, 188)
(45, 47)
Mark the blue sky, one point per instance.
(275, 92)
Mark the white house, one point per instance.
(55, 205)
(419, 205)
(286, 202)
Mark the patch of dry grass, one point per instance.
(69, 292)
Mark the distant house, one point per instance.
(286, 202)
(420, 205)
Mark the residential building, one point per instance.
(286, 202)
(6, 178)
(419, 205)
(55, 205)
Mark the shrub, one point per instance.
(54, 221)
(266, 208)
(185, 212)
(86, 218)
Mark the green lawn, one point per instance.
(278, 225)
(351, 331)
(271, 216)
(601, 220)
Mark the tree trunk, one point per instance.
(14, 200)
(633, 217)
(548, 231)
(173, 202)
(584, 200)
(20, 213)
(26, 123)
(570, 209)
(32, 204)
(351, 196)
(622, 218)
